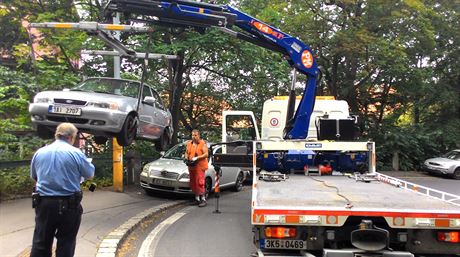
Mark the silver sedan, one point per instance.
(448, 164)
(105, 107)
(170, 174)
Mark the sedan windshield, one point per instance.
(177, 152)
(109, 86)
(454, 155)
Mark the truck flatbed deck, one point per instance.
(320, 191)
(314, 199)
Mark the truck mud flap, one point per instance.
(360, 253)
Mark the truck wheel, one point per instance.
(456, 174)
(44, 132)
(239, 182)
(128, 132)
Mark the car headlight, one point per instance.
(184, 175)
(145, 171)
(104, 105)
(39, 99)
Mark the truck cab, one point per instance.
(274, 115)
(242, 126)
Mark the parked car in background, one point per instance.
(447, 164)
(105, 107)
(170, 174)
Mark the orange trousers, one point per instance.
(196, 180)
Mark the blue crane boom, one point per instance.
(200, 16)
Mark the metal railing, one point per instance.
(419, 189)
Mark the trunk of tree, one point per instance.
(176, 86)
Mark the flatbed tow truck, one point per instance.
(341, 215)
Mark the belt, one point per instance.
(57, 197)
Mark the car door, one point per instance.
(163, 118)
(228, 173)
(148, 113)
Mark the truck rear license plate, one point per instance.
(69, 110)
(283, 244)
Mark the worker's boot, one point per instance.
(202, 202)
(196, 201)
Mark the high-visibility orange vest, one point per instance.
(194, 150)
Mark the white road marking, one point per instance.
(150, 243)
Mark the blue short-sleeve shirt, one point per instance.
(58, 169)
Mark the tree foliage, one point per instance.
(396, 62)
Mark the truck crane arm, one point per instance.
(183, 13)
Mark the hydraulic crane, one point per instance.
(201, 16)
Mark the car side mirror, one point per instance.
(149, 100)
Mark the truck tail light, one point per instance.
(451, 237)
(280, 232)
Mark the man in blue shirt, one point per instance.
(58, 169)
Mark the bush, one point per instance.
(15, 182)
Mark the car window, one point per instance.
(177, 152)
(108, 86)
(158, 101)
(454, 155)
(147, 91)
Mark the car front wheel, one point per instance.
(163, 143)
(239, 182)
(128, 132)
(456, 174)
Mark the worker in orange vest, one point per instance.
(196, 157)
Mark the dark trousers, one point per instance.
(55, 217)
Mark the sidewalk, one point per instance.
(103, 211)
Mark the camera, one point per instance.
(190, 163)
(92, 187)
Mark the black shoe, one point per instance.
(195, 202)
(202, 203)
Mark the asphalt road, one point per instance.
(193, 231)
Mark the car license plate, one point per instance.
(69, 110)
(283, 244)
(162, 182)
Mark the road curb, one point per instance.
(109, 246)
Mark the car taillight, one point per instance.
(280, 232)
(451, 237)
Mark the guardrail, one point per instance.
(419, 189)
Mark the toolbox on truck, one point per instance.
(336, 129)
